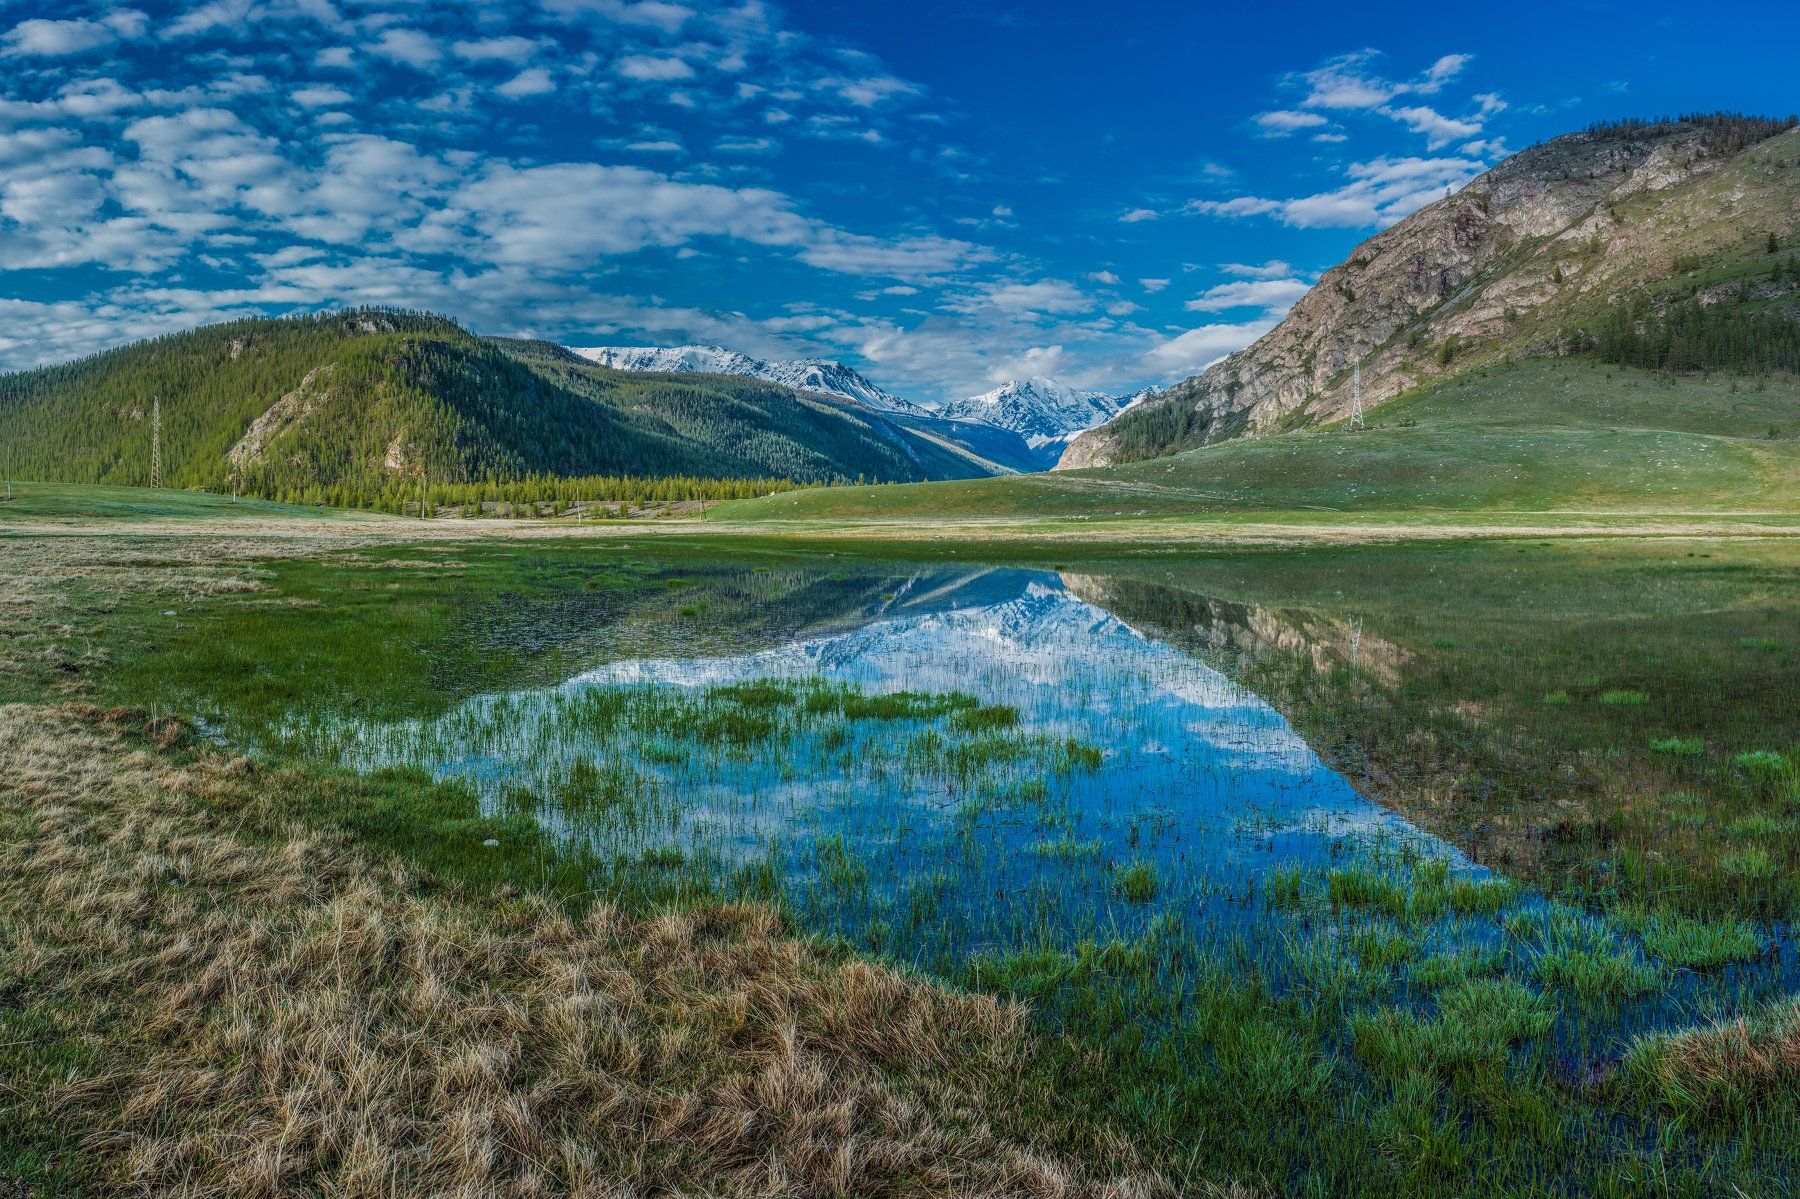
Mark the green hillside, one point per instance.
(1530, 436)
(1663, 245)
(364, 400)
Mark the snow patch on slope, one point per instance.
(820, 375)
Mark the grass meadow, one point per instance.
(1594, 1001)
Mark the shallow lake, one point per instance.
(987, 776)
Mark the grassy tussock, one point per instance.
(1726, 1068)
(266, 1011)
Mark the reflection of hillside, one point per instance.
(1337, 685)
(1209, 626)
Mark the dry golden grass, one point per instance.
(1729, 1064)
(279, 1014)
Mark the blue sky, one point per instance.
(944, 195)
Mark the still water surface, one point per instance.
(1138, 796)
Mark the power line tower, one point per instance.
(156, 442)
(1356, 413)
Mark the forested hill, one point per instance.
(369, 400)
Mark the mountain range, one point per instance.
(1045, 413)
(1042, 411)
(818, 375)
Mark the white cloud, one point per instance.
(533, 81)
(655, 14)
(1439, 130)
(1193, 351)
(1153, 285)
(514, 50)
(1285, 122)
(652, 68)
(1345, 82)
(1349, 81)
(321, 96)
(1106, 277)
(207, 17)
(407, 46)
(1135, 215)
(869, 91)
(1274, 296)
(1380, 192)
(1034, 362)
(744, 145)
(42, 38)
(1442, 71)
(1272, 269)
(1238, 206)
(1042, 296)
(909, 258)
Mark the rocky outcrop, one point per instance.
(289, 412)
(1459, 281)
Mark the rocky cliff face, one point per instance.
(1501, 268)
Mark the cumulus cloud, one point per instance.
(533, 81)
(407, 46)
(1442, 71)
(1351, 81)
(1380, 192)
(1274, 296)
(1041, 296)
(40, 37)
(1193, 351)
(1274, 268)
(1286, 122)
(207, 17)
(648, 68)
(320, 96)
(1438, 129)
(510, 49)
(868, 91)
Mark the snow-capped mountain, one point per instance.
(1042, 411)
(803, 374)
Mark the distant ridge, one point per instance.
(820, 375)
(1042, 411)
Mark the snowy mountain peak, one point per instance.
(820, 375)
(1039, 410)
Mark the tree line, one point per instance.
(531, 493)
(1689, 336)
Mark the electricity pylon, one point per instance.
(1356, 415)
(156, 442)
